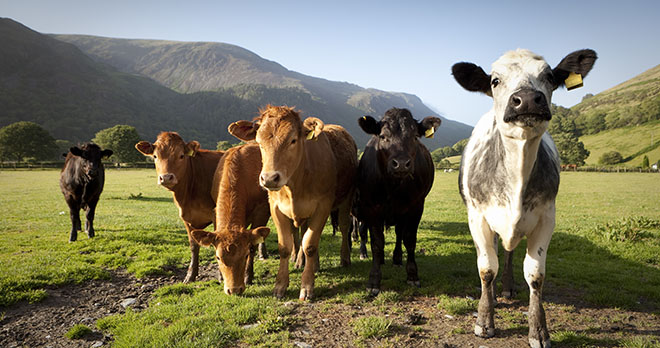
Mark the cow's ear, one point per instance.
(244, 130)
(578, 62)
(106, 153)
(313, 127)
(145, 147)
(427, 126)
(472, 77)
(192, 147)
(259, 234)
(369, 125)
(76, 151)
(204, 238)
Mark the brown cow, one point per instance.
(308, 169)
(187, 171)
(240, 202)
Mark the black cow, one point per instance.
(395, 174)
(81, 182)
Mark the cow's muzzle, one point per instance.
(400, 167)
(527, 107)
(168, 180)
(271, 181)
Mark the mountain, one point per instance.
(189, 67)
(54, 84)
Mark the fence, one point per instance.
(60, 164)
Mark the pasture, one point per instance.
(602, 283)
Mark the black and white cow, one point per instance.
(509, 174)
(81, 182)
(394, 176)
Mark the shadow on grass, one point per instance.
(141, 198)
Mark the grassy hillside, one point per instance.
(632, 102)
(628, 141)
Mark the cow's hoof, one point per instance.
(484, 332)
(189, 278)
(363, 256)
(373, 291)
(508, 294)
(279, 293)
(306, 294)
(539, 343)
(415, 283)
(90, 233)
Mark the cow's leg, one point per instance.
(488, 265)
(508, 287)
(408, 232)
(310, 246)
(344, 221)
(363, 240)
(534, 270)
(397, 255)
(296, 258)
(334, 220)
(285, 247)
(377, 256)
(261, 216)
(355, 234)
(249, 265)
(89, 218)
(74, 214)
(193, 267)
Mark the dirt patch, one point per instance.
(44, 324)
(416, 321)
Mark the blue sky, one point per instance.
(403, 46)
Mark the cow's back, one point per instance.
(236, 182)
(345, 152)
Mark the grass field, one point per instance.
(626, 140)
(605, 250)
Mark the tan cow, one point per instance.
(187, 171)
(308, 169)
(240, 202)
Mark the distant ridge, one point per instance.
(78, 87)
(205, 66)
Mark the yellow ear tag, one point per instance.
(310, 135)
(429, 132)
(573, 81)
(191, 153)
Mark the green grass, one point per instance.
(372, 327)
(78, 331)
(138, 230)
(627, 141)
(457, 305)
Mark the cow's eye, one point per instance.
(293, 141)
(181, 157)
(155, 156)
(495, 82)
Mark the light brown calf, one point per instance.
(240, 202)
(187, 171)
(308, 169)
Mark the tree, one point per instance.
(611, 157)
(22, 140)
(459, 146)
(645, 162)
(571, 150)
(121, 139)
(224, 145)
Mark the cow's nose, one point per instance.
(235, 291)
(270, 180)
(165, 178)
(401, 164)
(527, 100)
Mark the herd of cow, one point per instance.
(300, 172)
